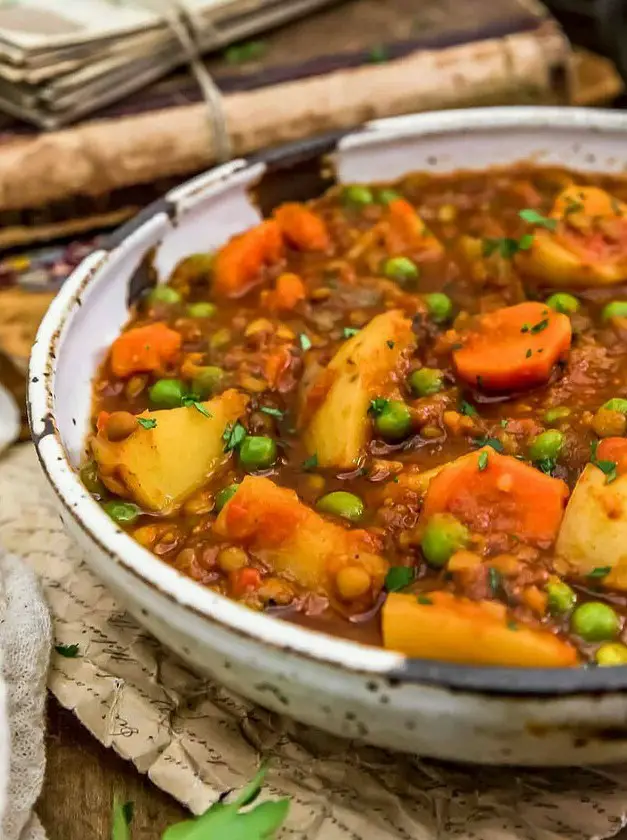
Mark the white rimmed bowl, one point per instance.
(481, 714)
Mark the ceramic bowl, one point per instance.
(480, 714)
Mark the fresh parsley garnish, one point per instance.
(192, 401)
(311, 463)
(572, 206)
(507, 247)
(147, 422)
(616, 208)
(494, 580)
(504, 423)
(378, 54)
(121, 820)
(390, 344)
(535, 218)
(528, 354)
(69, 651)
(541, 325)
(305, 342)
(425, 600)
(609, 468)
(493, 442)
(233, 436)
(248, 51)
(349, 332)
(273, 412)
(482, 461)
(599, 572)
(378, 405)
(546, 465)
(398, 577)
(511, 625)
(467, 409)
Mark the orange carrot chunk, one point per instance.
(144, 349)
(614, 449)
(443, 626)
(302, 228)
(513, 348)
(289, 290)
(492, 493)
(406, 231)
(238, 265)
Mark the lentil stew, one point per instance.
(397, 414)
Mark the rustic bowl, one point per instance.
(481, 714)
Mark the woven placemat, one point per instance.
(195, 739)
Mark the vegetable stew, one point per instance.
(397, 414)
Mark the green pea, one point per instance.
(343, 504)
(91, 479)
(611, 653)
(385, 196)
(595, 621)
(202, 309)
(563, 302)
(207, 380)
(394, 420)
(257, 453)
(358, 195)
(552, 415)
(546, 445)
(440, 307)
(401, 269)
(167, 393)
(426, 381)
(124, 513)
(225, 495)
(442, 537)
(561, 597)
(615, 309)
(164, 294)
(616, 404)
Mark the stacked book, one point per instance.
(61, 61)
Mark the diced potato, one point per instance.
(364, 366)
(442, 626)
(162, 466)
(594, 528)
(588, 247)
(292, 539)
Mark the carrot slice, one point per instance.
(144, 349)
(289, 290)
(442, 626)
(505, 496)
(302, 228)
(513, 348)
(614, 449)
(101, 420)
(238, 265)
(407, 232)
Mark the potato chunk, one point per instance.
(588, 245)
(160, 467)
(292, 539)
(594, 528)
(363, 368)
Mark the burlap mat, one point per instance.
(195, 739)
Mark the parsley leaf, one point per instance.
(305, 342)
(528, 354)
(233, 436)
(147, 422)
(572, 206)
(248, 51)
(273, 412)
(599, 572)
(511, 625)
(349, 332)
(121, 821)
(535, 218)
(467, 409)
(390, 344)
(609, 468)
(507, 247)
(425, 600)
(616, 208)
(495, 443)
(192, 401)
(310, 463)
(541, 325)
(69, 651)
(377, 406)
(494, 579)
(398, 577)
(482, 461)
(546, 465)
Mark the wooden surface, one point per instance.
(82, 778)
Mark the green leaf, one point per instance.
(494, 579)
(310, 463)
(535, 218)
(468, 409)
(378, 54)
(147, 422)
(424, 600)
(546, 465)
(398, 577)
(390, 344)
(121, 820)
(609, 468)
(599, 572)
(378, 405)
(349, 332)
(511, 625)
(233, 436)
(572, 206)
(541, 325)
(494, 443)
(273, 412)
(507, 247)
(482, 461)
(241, 53)
(192, 401)
(305, 342)
(69, 651)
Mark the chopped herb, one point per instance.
(525, 328)
(273, 412)
(528, 354)
(546, 465)
(494, 580)
(572, 206)
(349, 332)
(241, 53)
(457, 346)
(233, 436)
(482, 461)
(467, 409)
(616, 208)
(378, 54)
(69, 651)
(305, 342)
(504, 423)
(121, 820)
(147, 422)
(192, 401)
(310, 463)
(425, 600)
(511, 625)
(507, 247)
(378, 405)
(495, 443)
(395, 479)
(599, 572)
(609, 468)
(525, 242)
(390, 344)
(541, 325)
(398, 577)
(535, 218)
